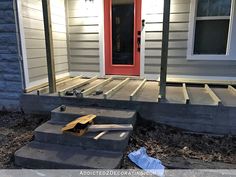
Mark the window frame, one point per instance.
(191, 34)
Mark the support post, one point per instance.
(164, 51)
(49, 45)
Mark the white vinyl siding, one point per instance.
(83, 29)
(178, 64)
(178, 36)
(35, 39)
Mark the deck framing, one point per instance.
(77, 85)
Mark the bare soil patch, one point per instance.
(16, 129)
(178, 149)
(172, 146)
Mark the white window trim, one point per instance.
(230, 55)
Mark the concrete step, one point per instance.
(104, 115)
(38, 155)
(111, 141)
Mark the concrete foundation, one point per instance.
(196, 118)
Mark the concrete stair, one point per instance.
(38, 155)
(105, 116)
(51, 149)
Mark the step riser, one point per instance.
(66, 118)
(39, 164)
(38, 155)
(51, 149)
(107, 145)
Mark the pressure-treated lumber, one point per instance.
(200, 81)
(137, 90)
(39, 86)
(232, 89)
(62, 92)
(116, 88)
(94, 88)
(185, 92)
(59, 84)
(213, 95)
(110, 127)
(164, 48)
(49, 46)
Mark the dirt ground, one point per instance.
(170, 145)
(162, 142)
(16, 129)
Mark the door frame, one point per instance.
(110, 69)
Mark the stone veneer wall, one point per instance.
(10, 69)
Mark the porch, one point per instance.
(206, 107)
(201, 105)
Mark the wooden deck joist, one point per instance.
(186, 96)
(232, 89)
(45, 90)
(96, 87)
(77, 85)
(199, 81)
(215, 98)
(137, 90)
(31, 89)
(115, 89)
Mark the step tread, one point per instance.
(104, 112)
(49, 156)
(56, 129)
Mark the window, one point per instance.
(212, 24)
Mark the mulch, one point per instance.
(16, 129)
(167, 143)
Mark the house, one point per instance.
(114, 37)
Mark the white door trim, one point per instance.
(101, 39)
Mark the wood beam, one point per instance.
(77, 85)
(110, 127)
(39, 86)
(199, 81)
(116, 88)
(232, 89)
(137, 90)
(216, 99)
(164, 50)
(49, 45)
(45, 90)
(186, 96)
(94, 88)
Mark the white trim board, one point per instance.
(230, 53)
(23, 46)
(192, 78)
(142, 51)
(101, 39)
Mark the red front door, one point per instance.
(122, 37)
